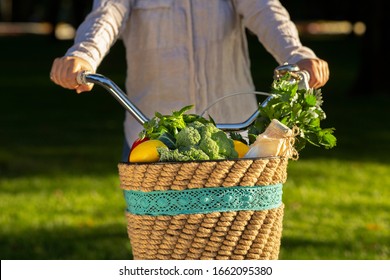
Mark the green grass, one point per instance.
(59, 187)
(337, 210)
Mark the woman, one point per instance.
(182, 52)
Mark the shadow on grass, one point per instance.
(69, 243)
(361, 129)
(52, 162)
(46, 130)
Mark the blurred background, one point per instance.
(59, 187)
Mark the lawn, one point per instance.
(59, 193)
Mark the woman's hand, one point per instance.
(64, 72)
(318, 70)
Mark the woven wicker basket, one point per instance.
(224, 234)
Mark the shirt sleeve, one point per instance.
(99, 31)
(271, 22)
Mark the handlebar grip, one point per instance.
(304, 81)
(81, 77)
(302, 76)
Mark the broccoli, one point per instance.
(210, 147)
(226, 145)
(194, 153)
(187, 137)
(171, 155)
(187, 154)
(199, 141)
(216, 143)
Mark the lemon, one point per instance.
(146, 151)
(240, 148)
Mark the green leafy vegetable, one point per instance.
(295, 107)
(238, 137)
(167, 126)
(200, 141)
(188, 137)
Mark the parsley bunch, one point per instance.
(295, 107)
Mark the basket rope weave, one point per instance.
(242, 234)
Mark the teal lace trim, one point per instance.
(205, 200)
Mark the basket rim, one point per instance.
(199, 161)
